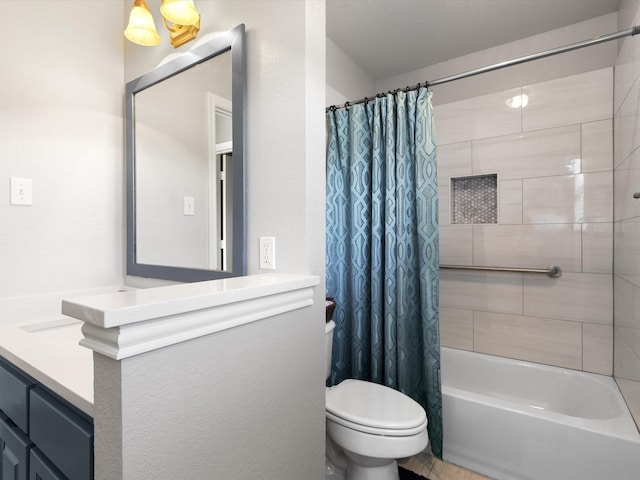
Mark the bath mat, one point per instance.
(409, 475)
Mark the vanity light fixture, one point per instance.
(180, 18)
(182, 12)
(141, 29)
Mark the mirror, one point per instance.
(185, 163)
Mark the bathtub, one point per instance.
(515, 420)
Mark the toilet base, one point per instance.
(367, 468)
(341, 465)
(336, 462)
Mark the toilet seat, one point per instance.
(375, 409)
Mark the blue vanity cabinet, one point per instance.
(14, 422)
(15, 447)
(42, 437)
(14, 394)
(63, 435)
(40, 468)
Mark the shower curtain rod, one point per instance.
(508, 63)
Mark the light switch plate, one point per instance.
(189, 208)
(21, 191)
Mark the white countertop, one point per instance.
(38, 339)
(133, 306)
(49, 352)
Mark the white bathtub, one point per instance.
(509, 419)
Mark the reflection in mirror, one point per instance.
(185, 165)
(181, 124)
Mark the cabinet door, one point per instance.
(42, 469)
(14, 394)
(15, 451)
(62, 435)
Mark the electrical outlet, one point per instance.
(268, 253)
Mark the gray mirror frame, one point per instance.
(233, 40)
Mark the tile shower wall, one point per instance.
(627, 212)
(554, 160)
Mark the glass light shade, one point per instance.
(180, 12)
(141, 28)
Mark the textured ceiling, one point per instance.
(390, 37)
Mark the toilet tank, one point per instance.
(328, 329)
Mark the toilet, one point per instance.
(369, 426)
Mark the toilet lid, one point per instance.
(373, 405)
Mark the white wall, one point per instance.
(244, 403)
(627, 211)
(346, 80)
(61, 125)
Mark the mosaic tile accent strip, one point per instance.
(475, 199)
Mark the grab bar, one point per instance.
(553, 271)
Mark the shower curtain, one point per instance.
(382, 247)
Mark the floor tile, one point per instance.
(420, 464)
(434, 469)
(447, 471)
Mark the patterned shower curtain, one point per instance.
(382, 248)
